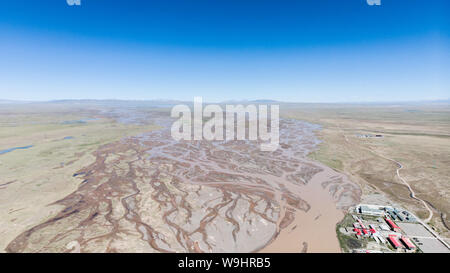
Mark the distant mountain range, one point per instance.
(175, 102)
(13, 102)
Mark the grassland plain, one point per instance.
(416, 136)
(151, 193)
(63, 140)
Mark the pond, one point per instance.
(15, 148)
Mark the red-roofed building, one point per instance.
(407, 243)
(360, 222)
(357, 230)
(393, 226)
(365, 231)
(394, 241)
(372, 231)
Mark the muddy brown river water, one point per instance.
(150, 193)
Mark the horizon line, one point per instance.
(2, 101)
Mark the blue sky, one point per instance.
(309, 51)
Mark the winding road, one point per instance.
(412, 194)
(411, 191)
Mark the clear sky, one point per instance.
(308, 51)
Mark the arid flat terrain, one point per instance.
(141, 191)
(108, 177)
(60, 141)
(398, 153)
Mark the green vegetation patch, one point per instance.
(347, 242)
(321, 155)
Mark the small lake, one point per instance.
(15, 148)
(73, 122)
(79, 121)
